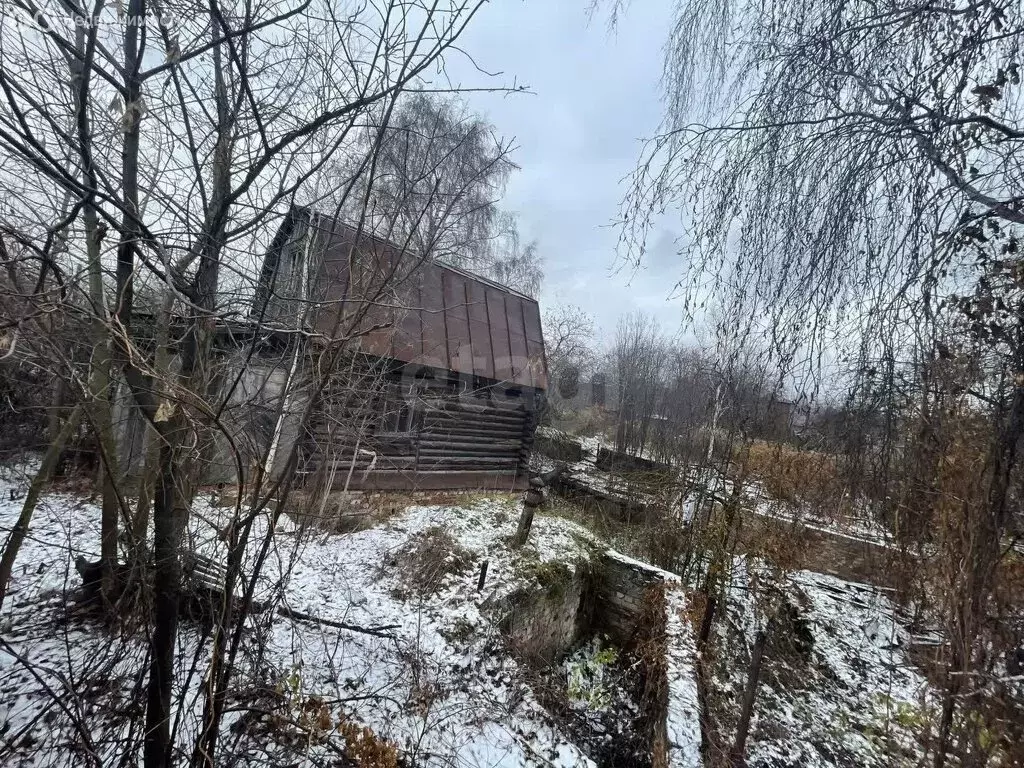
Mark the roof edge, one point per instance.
(337, 225)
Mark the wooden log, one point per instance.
(450, 437)
(486, 408)
(399, 462)
(482, 432)
(482, 448)
(490, 414)
(475, 416)
(442, 456)
(507, 459)
(438, 480)
(468, 461)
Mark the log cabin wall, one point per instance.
(420, 430)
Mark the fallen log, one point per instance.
(380, 631)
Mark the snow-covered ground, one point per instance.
(683, 715)
(758, 501)
(441, 690)
(837, 687)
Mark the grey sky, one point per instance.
(595, 96)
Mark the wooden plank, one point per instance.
(439, 480)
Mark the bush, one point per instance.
(428, 559)
(792, 475)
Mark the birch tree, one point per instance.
(835, 165)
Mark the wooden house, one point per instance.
(437, 375)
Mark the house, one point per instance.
(438, 376)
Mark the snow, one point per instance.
(852, 698)
(860, 529)
(442, 689)
(666, 576)
(683, 720)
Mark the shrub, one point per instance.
(792, 475)
(428, 559)
(364, 748)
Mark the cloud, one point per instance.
(596, 95)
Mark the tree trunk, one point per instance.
(152, 440)
(945, 725)
(706, 621)
(166, 585)
(99, 376)
(49, 463)
(100, 409)
(739, 747)
(195, 362)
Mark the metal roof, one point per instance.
(422, 312)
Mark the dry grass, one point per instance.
(792, 475)
(649, 648)
(338, 513)
(427, 560)
(348, 512)
(365, 749)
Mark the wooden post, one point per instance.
(532, 499)
(483, 575)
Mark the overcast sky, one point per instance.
(595, 96)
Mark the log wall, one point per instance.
(403, 431)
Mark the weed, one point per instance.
(428, 559)
(793, 475)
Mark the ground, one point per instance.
(837, 687)
(443, 689)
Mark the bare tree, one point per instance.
(569, 346)
(637, 356)
(441, 173)
(837, 163)
(170, 138)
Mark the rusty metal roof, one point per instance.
(420, 311)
